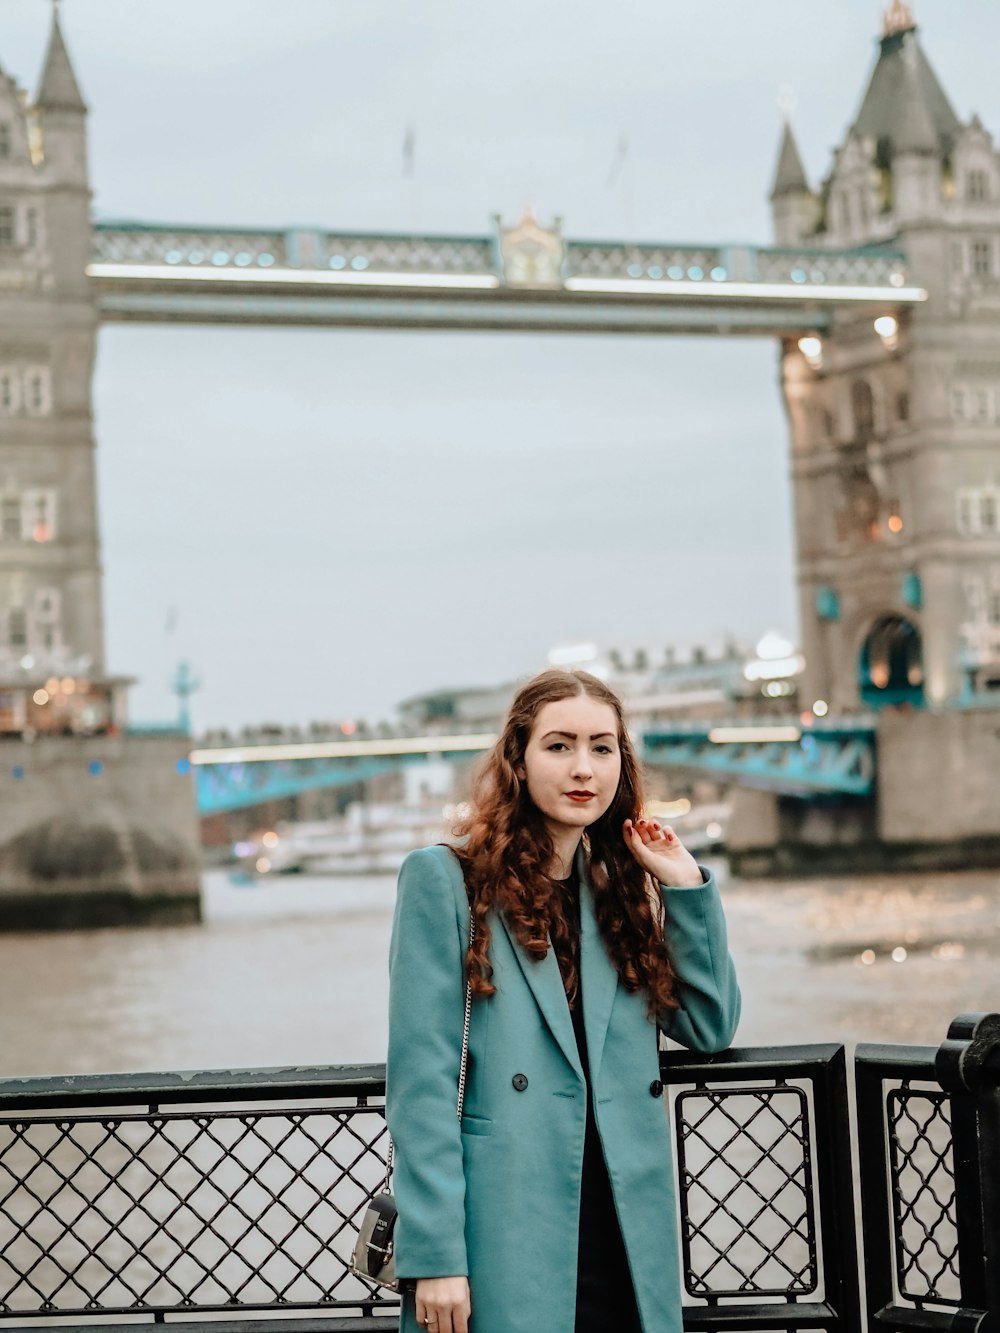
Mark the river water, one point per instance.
(293, 971)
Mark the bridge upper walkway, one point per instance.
(540, 282)
(830, 756)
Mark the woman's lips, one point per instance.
(581, 797)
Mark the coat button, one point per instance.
(656, 1088)
(520, 1081)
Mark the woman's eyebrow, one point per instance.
(571, 735)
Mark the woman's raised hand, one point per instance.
(443, 1304)
(662, 854)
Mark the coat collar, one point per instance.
(598, 977)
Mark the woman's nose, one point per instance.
(581, 764)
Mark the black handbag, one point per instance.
(374, 1259)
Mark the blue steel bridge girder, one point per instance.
(190, 274)
(830, 760)
(221, 788)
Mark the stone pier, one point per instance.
(937, 808)
(97, 831)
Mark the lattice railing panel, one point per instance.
(837, 268)
(923, 1195)
(216, 1210)
(411, 254)
(745, 1182)
(670, 262)
(207, 249)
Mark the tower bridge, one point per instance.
(882, 292)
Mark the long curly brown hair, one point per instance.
(506, 853)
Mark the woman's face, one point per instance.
(573, 761)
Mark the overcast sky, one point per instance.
(325, 522)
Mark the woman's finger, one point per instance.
(443, 1317)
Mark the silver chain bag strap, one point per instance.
(374, 1253)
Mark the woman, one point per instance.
(550, 1208)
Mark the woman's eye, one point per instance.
(557, 745)
(604, 749)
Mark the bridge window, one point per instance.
(5, 140)
(10, 518)
(977, 186)
(31, 227)
(903, 406)
(10, 392)
(40, 511)
(975, 403)
(982, 259)
(17, 627)
(38, 391)
(978, 510)
(8, 221)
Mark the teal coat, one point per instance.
(498, 1197)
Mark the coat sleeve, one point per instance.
(426, 1016)
(707, 988)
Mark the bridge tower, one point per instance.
(96, 826)
(895, 423)
(51, 624)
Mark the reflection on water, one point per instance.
(293, 971)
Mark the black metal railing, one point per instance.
(765, 1188)
(162, 1197)
(929, 1161)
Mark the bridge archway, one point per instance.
(891, 665)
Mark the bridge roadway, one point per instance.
(538, 283)
(780, 755)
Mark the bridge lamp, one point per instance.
(821, 708)
(812, 349)
(887, 328)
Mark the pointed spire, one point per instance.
(790, 174)
(59, 90)
(913, 128)
(903, 94)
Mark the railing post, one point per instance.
(968, 1068)
(836, 1194)
(873, 1170)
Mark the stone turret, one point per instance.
(793, 204)
(60, 114)
(917, 150)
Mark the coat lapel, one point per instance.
(598, 974)
(545, 983)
